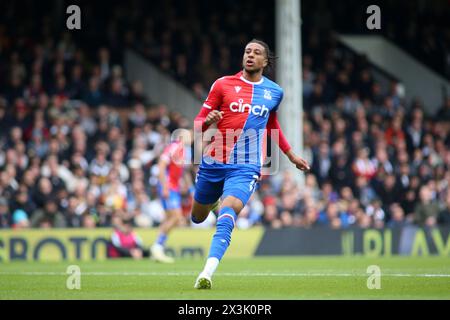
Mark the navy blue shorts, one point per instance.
(212, 183)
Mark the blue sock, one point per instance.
(162, 238)
(222, 237)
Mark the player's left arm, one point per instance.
(273, 126)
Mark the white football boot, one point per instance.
(203, 281)
(158, 254)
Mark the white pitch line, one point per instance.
(226, 274)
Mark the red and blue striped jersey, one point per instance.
(246, 107)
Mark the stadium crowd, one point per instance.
(419, 27)
(79, 144)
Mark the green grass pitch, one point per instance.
(252, 278)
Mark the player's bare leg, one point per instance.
(172, 220)
(229, 209)
(157, 250)
(201, 211)
(233, 202)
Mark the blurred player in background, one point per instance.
(172, 166)
(242, 106)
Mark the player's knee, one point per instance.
(199, 212)
(178, 217)
(197, 218)
(234, 203)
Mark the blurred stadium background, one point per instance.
(85, 114)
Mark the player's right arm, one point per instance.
(209, 112)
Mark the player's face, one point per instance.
(254, 59)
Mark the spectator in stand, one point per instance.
(310, 216)
(322, 162)
(364, 191)
(93, 96)
(444, 215)
(397, 216)
(330, 216)
(44, 191)
(20, 219)
(4, 214)
(100, 167)
(427, 210)
(340, 172)
(137, 94)
(289, 209)
(271, 216)
(388, 191)
(363, 166)
(415, 131)
(49, 216)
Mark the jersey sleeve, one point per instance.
(273, 124)
(212, 102)
(214, 99)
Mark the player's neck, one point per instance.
(252, 77)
